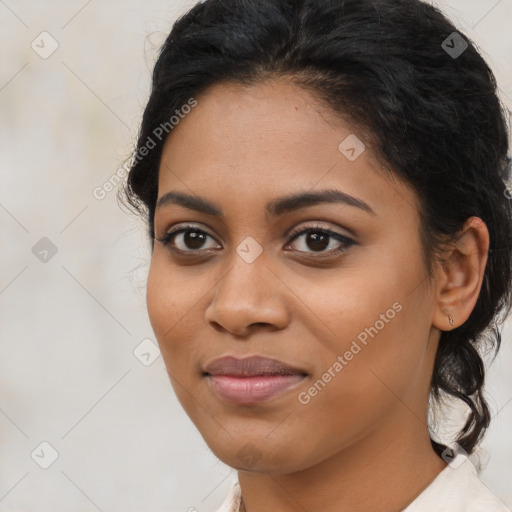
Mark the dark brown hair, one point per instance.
(433, 117)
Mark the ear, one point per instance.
(460, 274)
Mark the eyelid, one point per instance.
(291, 235)
(316, 225)
(183, 227)
(345, 242)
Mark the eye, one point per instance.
(318, 239)
(186, 238)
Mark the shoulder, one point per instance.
(457, 488)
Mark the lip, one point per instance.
(253, 366)
(252, 379)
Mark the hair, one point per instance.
(434, 119)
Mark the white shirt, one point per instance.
(457, 488)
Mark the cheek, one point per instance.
(160, 308)
(349, 398)
(372, 333)
(166, 304)
(173, 306)
(168, 296)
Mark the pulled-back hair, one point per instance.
(432, 117)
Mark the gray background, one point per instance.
(69, 325)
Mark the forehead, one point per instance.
(267, 109)
(263, 140)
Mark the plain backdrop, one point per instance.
(73, 373)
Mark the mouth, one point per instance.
(252, 379)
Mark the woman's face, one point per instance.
(350, 313)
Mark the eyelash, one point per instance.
(345, 242)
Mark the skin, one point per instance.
(362, 442)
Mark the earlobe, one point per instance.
(460, 275)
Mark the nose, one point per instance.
(248, 295)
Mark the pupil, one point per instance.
(194, 240)
(318, 239)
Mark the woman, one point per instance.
(331, 246)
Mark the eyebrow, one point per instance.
(274, 208)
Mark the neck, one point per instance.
(382, 472)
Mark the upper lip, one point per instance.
(250, 367)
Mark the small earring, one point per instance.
(450, 319)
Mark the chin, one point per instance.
(258, 455)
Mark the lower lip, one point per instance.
(247, 390)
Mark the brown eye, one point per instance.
(193, 239)
(187, 239)
(318, 239)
